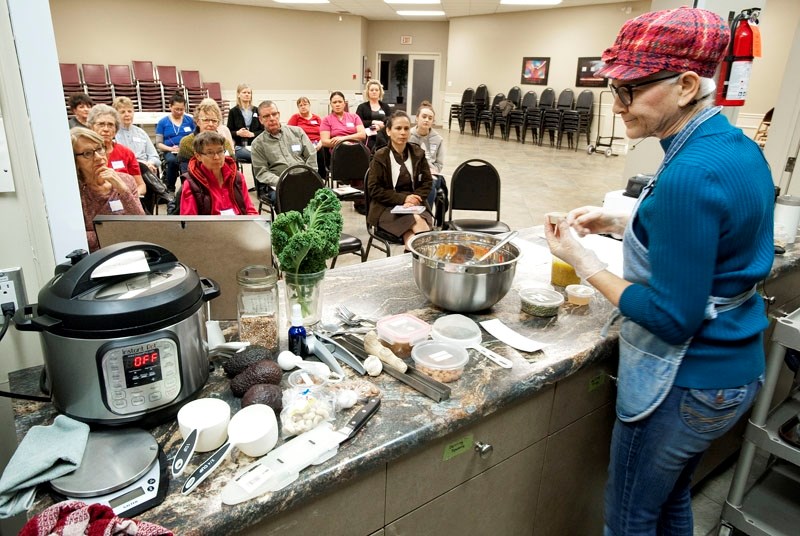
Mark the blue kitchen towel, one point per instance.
(45, 453)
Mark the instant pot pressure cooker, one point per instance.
(127, 348)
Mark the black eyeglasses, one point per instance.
(100, 151)
(625, 92)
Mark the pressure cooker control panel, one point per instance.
(140, 377)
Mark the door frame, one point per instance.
(437, 97)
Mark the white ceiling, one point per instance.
(379, 10)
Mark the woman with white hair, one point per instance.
(691, 356)
(105, 120)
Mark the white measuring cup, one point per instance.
(252, 430)
(203, 424)
(463, 331)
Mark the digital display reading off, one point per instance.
(142, 368)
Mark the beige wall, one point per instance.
(489, 49)
(778, 22)
(426, 37)
(267, 48)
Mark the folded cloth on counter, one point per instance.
(75, 517)
(45, 453)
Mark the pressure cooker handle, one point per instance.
(81, 274)
(210, 289)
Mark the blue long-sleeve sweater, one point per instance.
(708, 225)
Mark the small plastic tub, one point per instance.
(306, 379)
(540, 301)
(401, 332)
(579, 294)
(442, 361)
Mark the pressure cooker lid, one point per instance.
(93, 296)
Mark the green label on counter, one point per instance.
(597, 381)
(457, 447)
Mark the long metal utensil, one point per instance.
(503, 242)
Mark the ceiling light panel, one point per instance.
(418, 13)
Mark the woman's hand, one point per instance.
(377, 125)
(244, 133)
(336, 140)
(592, 220)
(152, 167)
(412, 200)
(111, 177)
(564, 246)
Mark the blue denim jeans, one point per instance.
(652, 460)
(243, 154)
(173, 169)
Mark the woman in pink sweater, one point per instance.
(103, 190)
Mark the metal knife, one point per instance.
(282, 466)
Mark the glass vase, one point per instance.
(305, 289)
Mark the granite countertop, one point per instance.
(406, 420)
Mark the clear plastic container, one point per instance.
(442, 361)
(258, 306)
(540, 301)
(401, 332)
(579, 294)
(306, 379)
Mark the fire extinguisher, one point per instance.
(734, 74)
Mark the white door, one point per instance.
(423, 81)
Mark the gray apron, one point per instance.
(647, 364)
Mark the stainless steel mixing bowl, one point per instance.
(454, 284)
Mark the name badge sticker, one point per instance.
(227, 212)
(296, 147)
(313, 122)
(187, 129)
(115, 205)
(349, 124)
(117, 164)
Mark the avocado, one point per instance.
(264, 371)
(243, 359)
(264, 393)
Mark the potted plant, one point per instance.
(401, 77)
(303, 242)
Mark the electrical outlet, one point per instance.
(12, 289)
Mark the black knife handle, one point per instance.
(362, 416)
(185, 452)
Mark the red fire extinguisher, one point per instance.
(734, 74)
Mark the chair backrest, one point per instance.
(548, 98)
(94, 74)
(296, 186)
(191, 79)
(168, 75)
(120, 75)
(475, 185)
(529, 100)
(70, 75)
(497, 98)
(481, 95)
(566, 99)
(514, 95)
(349, 161)
(585, 101)
(214, 91)
(468, 95)
(143, 71)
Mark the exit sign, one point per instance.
(405, 39)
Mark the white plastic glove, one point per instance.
(564, 246)
(593, 220)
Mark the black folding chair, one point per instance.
(475, 186)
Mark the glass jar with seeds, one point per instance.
(258, 306)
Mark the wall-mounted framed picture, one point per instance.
(585, 75)
(534, 71)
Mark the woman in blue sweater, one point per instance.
(695, 246)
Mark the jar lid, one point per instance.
(257, 275)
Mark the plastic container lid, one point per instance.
(540, 301)
(580, 291)
(440, 355)
(456, 329)
(403, 328)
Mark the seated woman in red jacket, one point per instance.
(213, 184)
